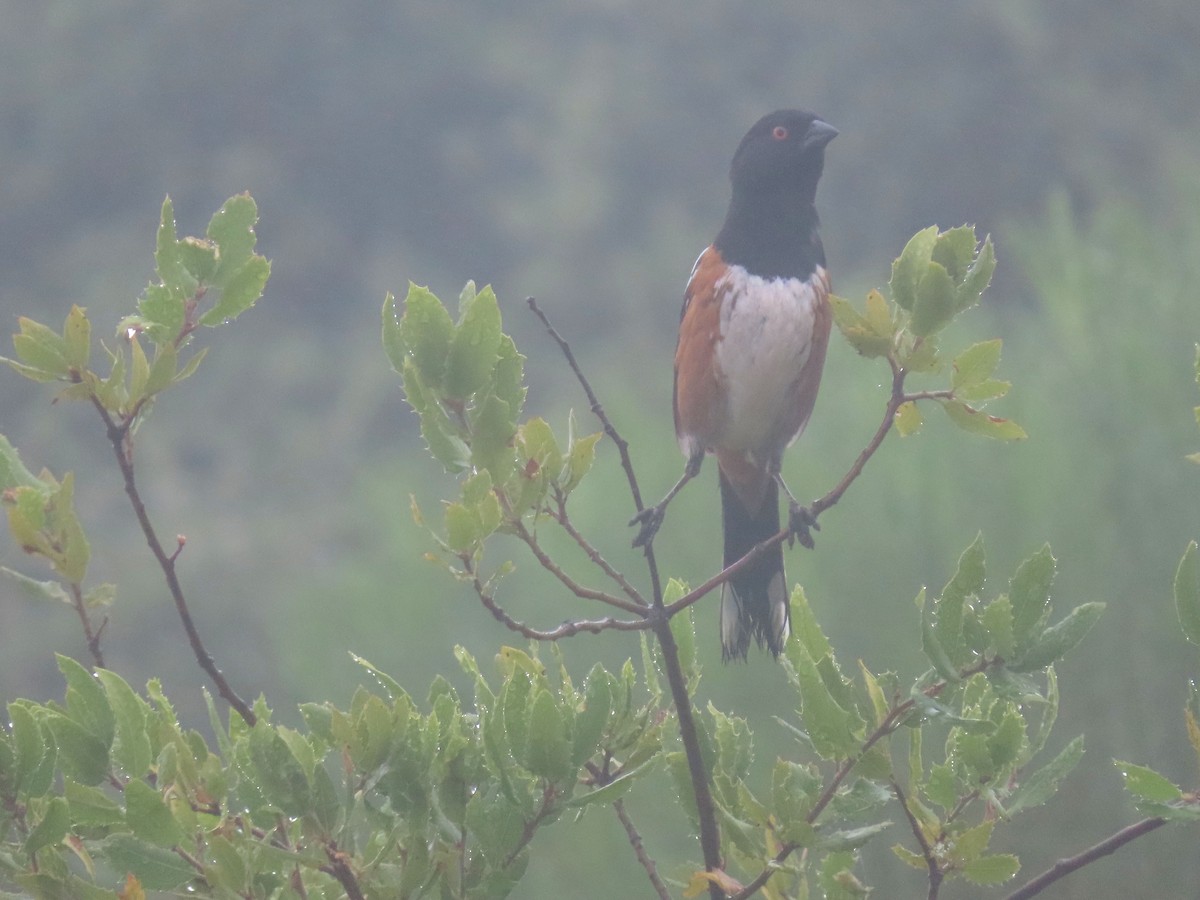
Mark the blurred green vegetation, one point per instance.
(578, 153)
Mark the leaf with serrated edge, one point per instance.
(976, 364)
(1146, 784)
(1187, 593)
(910, 265)
(972, 420)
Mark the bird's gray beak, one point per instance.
(819, 134)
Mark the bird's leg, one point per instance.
(801, 521)
(651, 518)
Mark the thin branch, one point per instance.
(598, 410)
(639, 850)
(931, 861)
(549, 794)
(706, 810)
(567, 581)
(93, 637)
(339, 868)
(892, 721)
(725, 574)
(897, 398)
(1065, 867)
(560, 516)
(710, 834)
(118, 435)
(565, 630)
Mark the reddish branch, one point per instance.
(92, 636)
(1065, 867)
(639, 850)
(118, 435)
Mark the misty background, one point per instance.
(578, 152)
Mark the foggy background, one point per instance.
(578, 153)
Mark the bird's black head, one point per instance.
(784, 151)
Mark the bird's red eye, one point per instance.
(779, 133)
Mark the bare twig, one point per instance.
(565, 630)
(118, 436)
(598, 410)
(931, 861)
(92, 636)
(1065, 867)
(567, 581)
(560, 516)
(639, 850)
(710, 834)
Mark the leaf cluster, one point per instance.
(412, 803)
(938, 276)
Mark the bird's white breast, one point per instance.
(766, 337)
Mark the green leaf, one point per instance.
(30, 748)
(241, 291)
(973, 421)
(1057, 640)
(12, 471)
(830, 726)
(931, 644)
(851, 838)
(1035, 789)
(992, 869)
(52, 828)
(157, 868)
(41, 348)
(908, 268)
(908, 419)
(131, 746)
(232, 230)
(997, 621)
(975, 364)
(424, 332)
(77, 338)
(87, 704)
(91, 807)
(805, 627)
(955, 250)
(1146, 784)
(474, 349)
(934, 306)
(581, 453)
(592, 719)
(615, 789)
(149, 817)
(278, 774)
(1187, 593)
(492, 434)
(871, 335)
(540, 446)
(508, 378)
(37, 591)
(441, 436)
(167, 258)
(978, 276)
(1029, 593)
(548, 750)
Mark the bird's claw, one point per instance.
(801, 523)
(650, 518)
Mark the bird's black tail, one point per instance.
(754, 602)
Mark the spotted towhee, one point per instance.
(752, 340)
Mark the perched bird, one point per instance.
(752, 340)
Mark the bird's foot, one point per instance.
(801, 523)
(650, 519)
